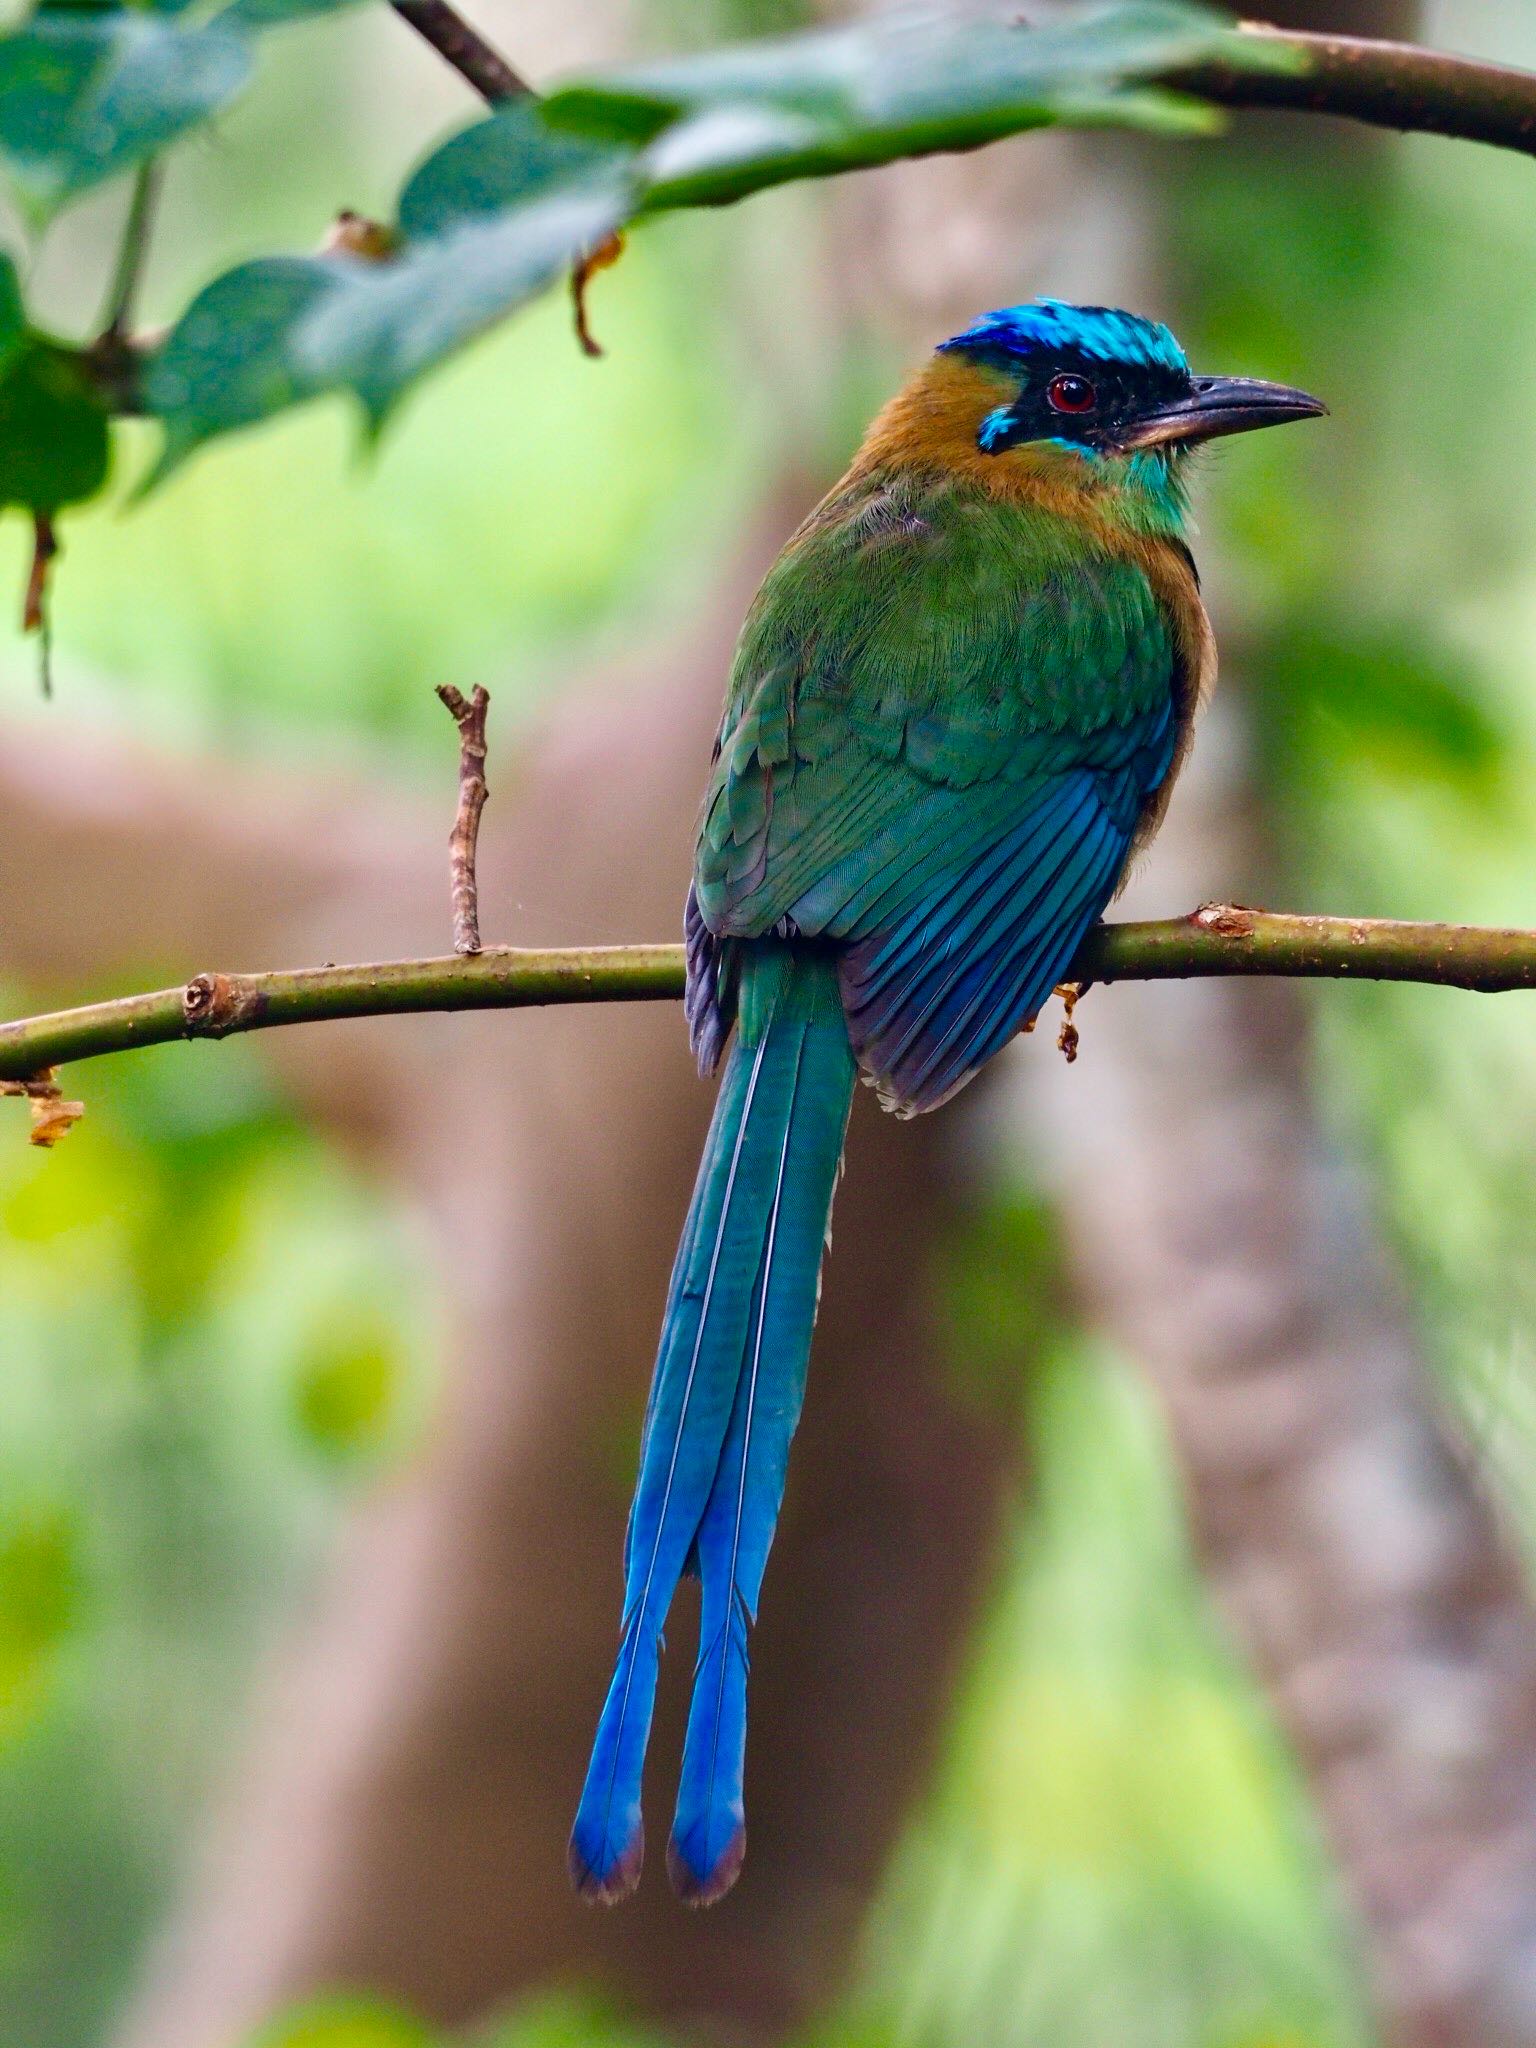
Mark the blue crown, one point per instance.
(1050, 326)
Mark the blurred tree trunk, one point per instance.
(1348, 1540)
(1361, 1568)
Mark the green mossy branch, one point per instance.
(1218, 939)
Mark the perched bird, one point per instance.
(956, 710)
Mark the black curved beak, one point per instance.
(1221, 405)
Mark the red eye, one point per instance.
(1071, 394)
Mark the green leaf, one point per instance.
(504, 207)
(388, 324)
(54, 434)
(513, 158)
(488, 221)
(258, 14)
(230, 361)
(722, 125)
(84, 96)
(13, 314)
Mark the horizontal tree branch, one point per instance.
(1217, 939)
(1388, 85)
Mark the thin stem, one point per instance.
(468, 715)
(132, 253)
(36, 617)
(464, 48)
(1219, 939)
(1388, 85)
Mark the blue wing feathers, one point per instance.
(1019, 982)
(927, 945)
(918, 1021)
(939, 977)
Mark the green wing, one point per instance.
(945, 718)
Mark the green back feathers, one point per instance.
(914, 634)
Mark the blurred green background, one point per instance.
(216, 1331)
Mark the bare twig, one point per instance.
(132, 254)
(469, 716)
(34, 605)
(1218, 939)
(464, 48)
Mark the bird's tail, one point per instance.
(725, 1398)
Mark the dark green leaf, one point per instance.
(511, 159)
(390, 322)
(13, 314)
(274, 13)
(719, 126)
(506, 206)
(54, 437)
(488, 221)
(84, 96)
(230, 360)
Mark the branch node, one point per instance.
(213, 1005)
(354, 234)
(468, 714)
(1225, 920)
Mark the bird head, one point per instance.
(1095, 396)
(1108, 384)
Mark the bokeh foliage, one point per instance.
(214, 1330)
(498, 212)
